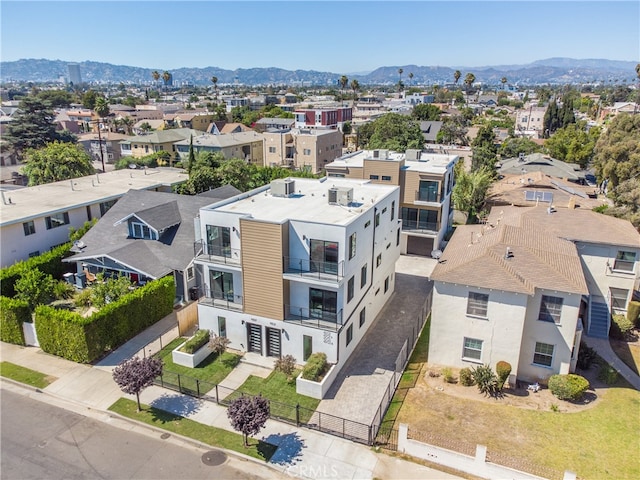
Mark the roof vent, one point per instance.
(283, 187)
(508, 254)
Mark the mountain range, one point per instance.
(552, 70)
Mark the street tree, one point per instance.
(344, 81)
(136, 374)
(400, 72)
(214, 80)
(468, 81)
(513, 146)
(56, 161)
(248, 415)
(89, 99)
(503, 80)
(32, 126)
(410, 77)
(355, 86)
(426, 112)
(573, 144)
(470, 191)
(453, 131)
(456, 76)
(156, 76)
(391, 131)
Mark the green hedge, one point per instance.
(568, 387)
(315, 367)
(13, 313)
(48, 263)
(194, 343)
(633, 312)
(69, 335)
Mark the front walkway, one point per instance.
(362, 383)
(603, 348)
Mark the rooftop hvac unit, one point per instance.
(383, 154)
(340, 196)
(412, 154)
(283, 187)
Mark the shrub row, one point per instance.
(315, 367)
(633, 312)
(69, 335)
(13, 313)
(194, 343)
(621, 326)
(48, 263)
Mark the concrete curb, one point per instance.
(146, 426)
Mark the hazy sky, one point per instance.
(336, 36)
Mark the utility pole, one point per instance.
(100, 146)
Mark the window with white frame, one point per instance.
(477, 304)
(550, 309)
(306, 151)
(272, 149)
(352, 246)
(625, 261)
(57, 220)
(472, 348)
(543, 354)
(619, 298)
(29, 228)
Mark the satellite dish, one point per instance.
(79, 244)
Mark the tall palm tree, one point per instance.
(344, 81)
(410, 77)
(166, 76)
(468, 80)
(127, 123)
(156, 76)
(355, 86)
(503, 80)
(400, 71)
(456, 76)
(214, 80)
(102, 110)
(638, 89)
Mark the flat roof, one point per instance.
(310, 202)
(34, 202)
(428, 163)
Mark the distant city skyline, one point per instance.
(339, 37)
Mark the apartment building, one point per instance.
(158, 141)
(530, 121)
(322, 117)
(302, 148)
(298, 266)
(426, 181)
(247, 146)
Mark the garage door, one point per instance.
(419, 246)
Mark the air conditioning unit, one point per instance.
(340, 196)
(283, 187)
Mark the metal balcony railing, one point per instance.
(226, 301)
(308, 268)
(216, 254)
(425, 227)
(428, 197)
(313, 318)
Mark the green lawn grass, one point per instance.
(209, 373)
(213, 436)
(25, 375)
(282, 393)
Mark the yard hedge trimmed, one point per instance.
(13, 313)
(633, 312)
(194, 343)
(48, 263)
(71, 336)
(568, 387)
(315, 367)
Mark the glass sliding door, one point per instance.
(324, 256)
(219, 241)
(322, 304)
(221, 285)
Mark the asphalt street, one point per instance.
(42, 441)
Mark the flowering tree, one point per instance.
(136, 374)
(248, 415)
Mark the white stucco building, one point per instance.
(525, 286)
(36, 219)
(298, 266)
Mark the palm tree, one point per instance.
(166, 76)
(410, 77)
(400, 71)
(456, 76)
(156, 76)
(503, 80)
(102, 110)
(214, 80)
(355, 86)
(468, 80)
(344, 81)
(127, 123)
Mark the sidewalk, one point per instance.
(603, 348)
(302, 453)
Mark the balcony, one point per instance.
(310, 269)
(216, 254)
(222, 300)
(313, 318)
(420, 227)
(427, 197)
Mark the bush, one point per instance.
(107, 290)
(286, 365)
(485, 379)
(503, 370)
(607, 374)
(568, 387)
(196, 342)
(71, 336)
(315, 367)
(586, 356)
(83, 299)
(447, 376)
(219, 344)
(466, 378)
(633, 312)
(35, 287)
(63, 290)
(621, 326)
(13, 313)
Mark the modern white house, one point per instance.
(524, 286)
(35, 219)
(426, 182)
(298, 266)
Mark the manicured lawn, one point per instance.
(282, 394)
(597, 442)
(25, 375)
(628, 352)
(213, 436)
(209, 373)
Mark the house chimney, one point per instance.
(508, 254)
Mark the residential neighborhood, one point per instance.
(399, 271)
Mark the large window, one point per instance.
(222, 326)
(29, 228)
(428, 191)
(323, 304)
(307, 347)
(324, 256)
(363, 276)
(619, 298)
(140, 230)
(363, 316)
(472, 348)
(350, 289)
(477, 304)
(352, 246)
(625, 261)
(105, 206)
(219, 241)
(543, 355)
(419, 219)
(550, 309)
(221, 285)
(349, 334)
(57, 220)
